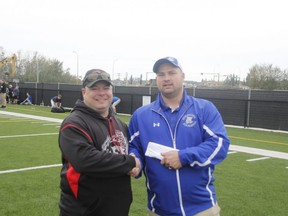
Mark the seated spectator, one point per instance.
(56, 101)
(28, 100)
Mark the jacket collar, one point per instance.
(159, 103)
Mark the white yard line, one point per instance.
(31, 116)
(28, 135)
(257, 159)
(29, 168)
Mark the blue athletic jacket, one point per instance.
(202, 141)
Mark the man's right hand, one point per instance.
(136, 170)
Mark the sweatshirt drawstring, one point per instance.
(113, 134)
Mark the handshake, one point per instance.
(136, 170)
(169, 157)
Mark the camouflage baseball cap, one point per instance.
(95, 75)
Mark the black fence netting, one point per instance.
(247, 108)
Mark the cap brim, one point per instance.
(159, 62)
(89, 85)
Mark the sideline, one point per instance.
(256, 151)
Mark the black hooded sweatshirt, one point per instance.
(94, 176)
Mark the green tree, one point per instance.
(41, 69)
(284, 81)
(266, 77)
(6, 68)
(231, 80)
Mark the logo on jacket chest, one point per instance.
(156, 124)
(189, 120)
(116, 144)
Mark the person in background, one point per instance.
(28, 100)
(9, 96)
(56, 101)
(115, 102)
(3, 92)
(179, 139)
(94, 146)
(16, 93)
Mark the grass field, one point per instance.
(244, 188)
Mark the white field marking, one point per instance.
(256, 151)
(29, 168)
(256, 159)
(28, 135)
(31, 116)
(232, 152)
(259, 129)
(38, 122)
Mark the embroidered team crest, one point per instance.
(189, 120)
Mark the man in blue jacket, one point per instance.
(179, 139)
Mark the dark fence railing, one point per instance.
(247, 108)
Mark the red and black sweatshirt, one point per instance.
(94, 176)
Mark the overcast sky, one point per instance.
(207, 36)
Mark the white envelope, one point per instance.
(154, 150)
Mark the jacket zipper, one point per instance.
(173, 136)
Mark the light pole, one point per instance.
(37, 70)
(77, 64)
(147, 76)
(113, 66)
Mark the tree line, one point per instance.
(38, 68)
(261, 76)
